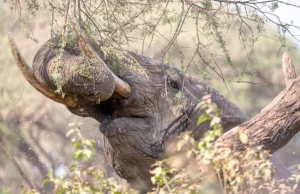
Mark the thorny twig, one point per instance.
(65, 22)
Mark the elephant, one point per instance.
(140, 103)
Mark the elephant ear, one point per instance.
(233, 119)
(231, 115)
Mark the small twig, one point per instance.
(178, 29)
(167, 185)
(220, 180)
(79, 10)
(65, 22)
(288, 68)
(21, 172)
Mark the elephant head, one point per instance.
(157, 102)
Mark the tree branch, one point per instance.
(277, 123)
(274, 126)
(288, 68)
(17, 165)
(65, 21)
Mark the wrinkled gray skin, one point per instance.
(136, 130)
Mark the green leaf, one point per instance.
(59, 44)
(69, 132)
(204, 117)
(90, 143)
(77, 154)
(215, 121)
(50, 174)
(243, 137)
(153, 180)
(157, 171)
(77, 144)
(88, 153)
(179, 95)
(45, 181)
(180, 144)
(72, 167)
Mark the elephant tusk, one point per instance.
(121, 87)
(28, 74)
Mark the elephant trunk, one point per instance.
(66, 71)
(69, 73)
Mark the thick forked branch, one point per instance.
(121, 87)
(274, 126)
(277, 123)
(28, 74)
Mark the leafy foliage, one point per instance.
(123, 24)
(81, 177)
(232, 172)
(114, 22)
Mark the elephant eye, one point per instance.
(174, 84)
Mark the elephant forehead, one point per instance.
(152, 66)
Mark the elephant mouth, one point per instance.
(111, 109)
(114, 116)
(114, 108)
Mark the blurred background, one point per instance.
(33, 127)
